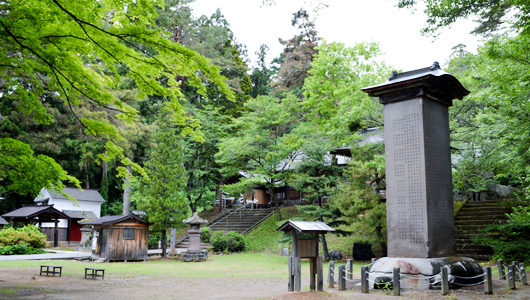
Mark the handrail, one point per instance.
(229, 214)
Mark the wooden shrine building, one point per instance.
(37, 214)
(305, 245)
(119, 237)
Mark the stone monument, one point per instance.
(194, 252)
(420, 220)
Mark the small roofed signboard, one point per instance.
(305, 245)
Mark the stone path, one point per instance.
(59, 254)
(54, 254)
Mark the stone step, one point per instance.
(485, 203)
(477, 257)
(483, 213)
(474, 251)
(472, 246)
(478, 222)
(481, 217)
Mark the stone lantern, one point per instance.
(194, 252)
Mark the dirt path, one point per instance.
(27, 284)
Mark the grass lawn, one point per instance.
(234, 265)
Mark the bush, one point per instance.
(510, 241)
(231, 242)
(206, 235)
(20, 248)
(28, 234)
(154, 238)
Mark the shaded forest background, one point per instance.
(158, 109)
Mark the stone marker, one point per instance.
(418, 161)
(194, 252)
(419, 191)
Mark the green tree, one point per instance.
(76, 51)
(316, 173)
(298, 54)
(25, 173)
(261, 75)
(491, 15)
(489, 127)
(333, 93)
(161, 193)
(199, 158)
(358, 197)
(264, 145)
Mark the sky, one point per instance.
(346, 21)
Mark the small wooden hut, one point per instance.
(119, 237)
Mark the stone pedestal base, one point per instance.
(425, 273)
(202, 256)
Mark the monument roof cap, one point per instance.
(438, 82)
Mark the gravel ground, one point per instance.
(21, 283)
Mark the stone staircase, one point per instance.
(240, 220)
(472, 218)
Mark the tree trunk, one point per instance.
(219, 193)
(276, 204)
(164, 242)
(382, 243)
(87, 182)
(323, 239)
(127, 191)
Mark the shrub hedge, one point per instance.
(230, 242)
(25, 240)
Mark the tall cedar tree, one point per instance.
(298, 54)
(359, 199)
(161, 193)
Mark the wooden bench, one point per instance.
(51, 270)
(94, 273)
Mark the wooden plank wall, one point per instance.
(307, 248)
(119, 248)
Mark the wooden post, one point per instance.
(331, 274)
(500, 266)
(173, 241)
(312, 273)
(522, 270)
(290, 286)
(69, 231)
(349, 269)
(342, 278)
(296, 264)
(297, 274)
(320, 275)
(488, 285)
(445, 281)
(364, 280)
(313, 265)
(395, 281)
(56, 234)
(511, 277)
(515, 273)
